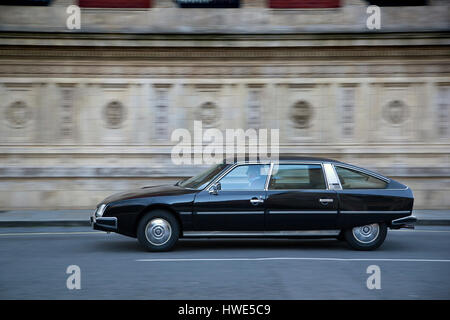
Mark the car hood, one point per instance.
(149, 191)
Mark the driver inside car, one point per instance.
(256, 180)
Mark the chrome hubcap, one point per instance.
(366, 234)
(158, 231)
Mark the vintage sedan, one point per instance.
(291, 197)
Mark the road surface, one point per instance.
(413, 264)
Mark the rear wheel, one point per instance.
(158, 230)
(368, 237)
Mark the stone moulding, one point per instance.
(222, 53)
(175, 171)
(249, 40)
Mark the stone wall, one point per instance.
(87, 114)
(252, 17)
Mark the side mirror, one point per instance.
(214, 190)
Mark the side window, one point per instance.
(352, 179)
(246, 177)
(297, 176)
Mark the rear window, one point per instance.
(352, 179)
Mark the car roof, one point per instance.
(281, 159)
(284, 158)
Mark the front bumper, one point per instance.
(406, 222)
(104, 223)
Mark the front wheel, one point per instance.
(158, 231)
(368, 237)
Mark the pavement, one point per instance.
(61, 218)
(34, 264)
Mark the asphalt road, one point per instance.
(33, 262)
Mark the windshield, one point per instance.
(201, 180)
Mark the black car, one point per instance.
(295, 197)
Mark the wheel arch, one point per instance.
(158, 206)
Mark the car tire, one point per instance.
(158, 230)
(368, 237)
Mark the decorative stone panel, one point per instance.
(114, 114)
(17, 114)
(346, 111)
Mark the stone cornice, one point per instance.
(176, 171)
(73, 39)
(164, 150)
(41, 52)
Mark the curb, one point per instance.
(45, 223)
(433, 222)
(86, 223)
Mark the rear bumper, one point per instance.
(104, 223)
(406, 222)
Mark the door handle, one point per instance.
(255, 201)
(325, 201)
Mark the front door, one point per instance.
(237, 204)
(298, 199)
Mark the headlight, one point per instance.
(100, 210)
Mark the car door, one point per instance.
(366, 198)
(298, 199)
(236, 203)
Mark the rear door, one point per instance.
(298, 198)
(366, 198)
